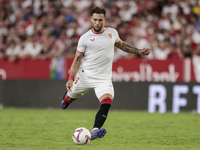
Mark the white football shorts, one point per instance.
(81, 86)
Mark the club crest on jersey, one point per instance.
(92, 39)
(110, 35)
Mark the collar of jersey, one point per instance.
(99, 32)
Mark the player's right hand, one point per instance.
(69, 85)
(144, 51)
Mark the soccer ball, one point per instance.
(81, 136)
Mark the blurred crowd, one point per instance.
(51, 28)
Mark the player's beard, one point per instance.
(97, 30)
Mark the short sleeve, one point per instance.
(117, 39)
(81, 45)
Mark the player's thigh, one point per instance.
(104, 89)
(79, 89)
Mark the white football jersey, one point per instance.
(98, 50)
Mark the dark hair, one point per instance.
(98, 10)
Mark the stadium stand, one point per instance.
(51, 28)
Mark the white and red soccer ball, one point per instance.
(81, 136)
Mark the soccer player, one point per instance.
(92, 67)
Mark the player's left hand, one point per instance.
(144, 51)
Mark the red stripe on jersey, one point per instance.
(99, 32)
(79, 51)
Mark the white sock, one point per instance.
(95, 129)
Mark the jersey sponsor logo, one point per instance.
(110, 35)
(92, 39)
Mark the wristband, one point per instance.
(71, 77)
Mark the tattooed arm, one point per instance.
(76, 64)
(131, 49)
(74, 69)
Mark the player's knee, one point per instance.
(106, 100)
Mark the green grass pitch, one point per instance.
(46, 129)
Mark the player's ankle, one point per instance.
(95, 128)
(67, 101)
